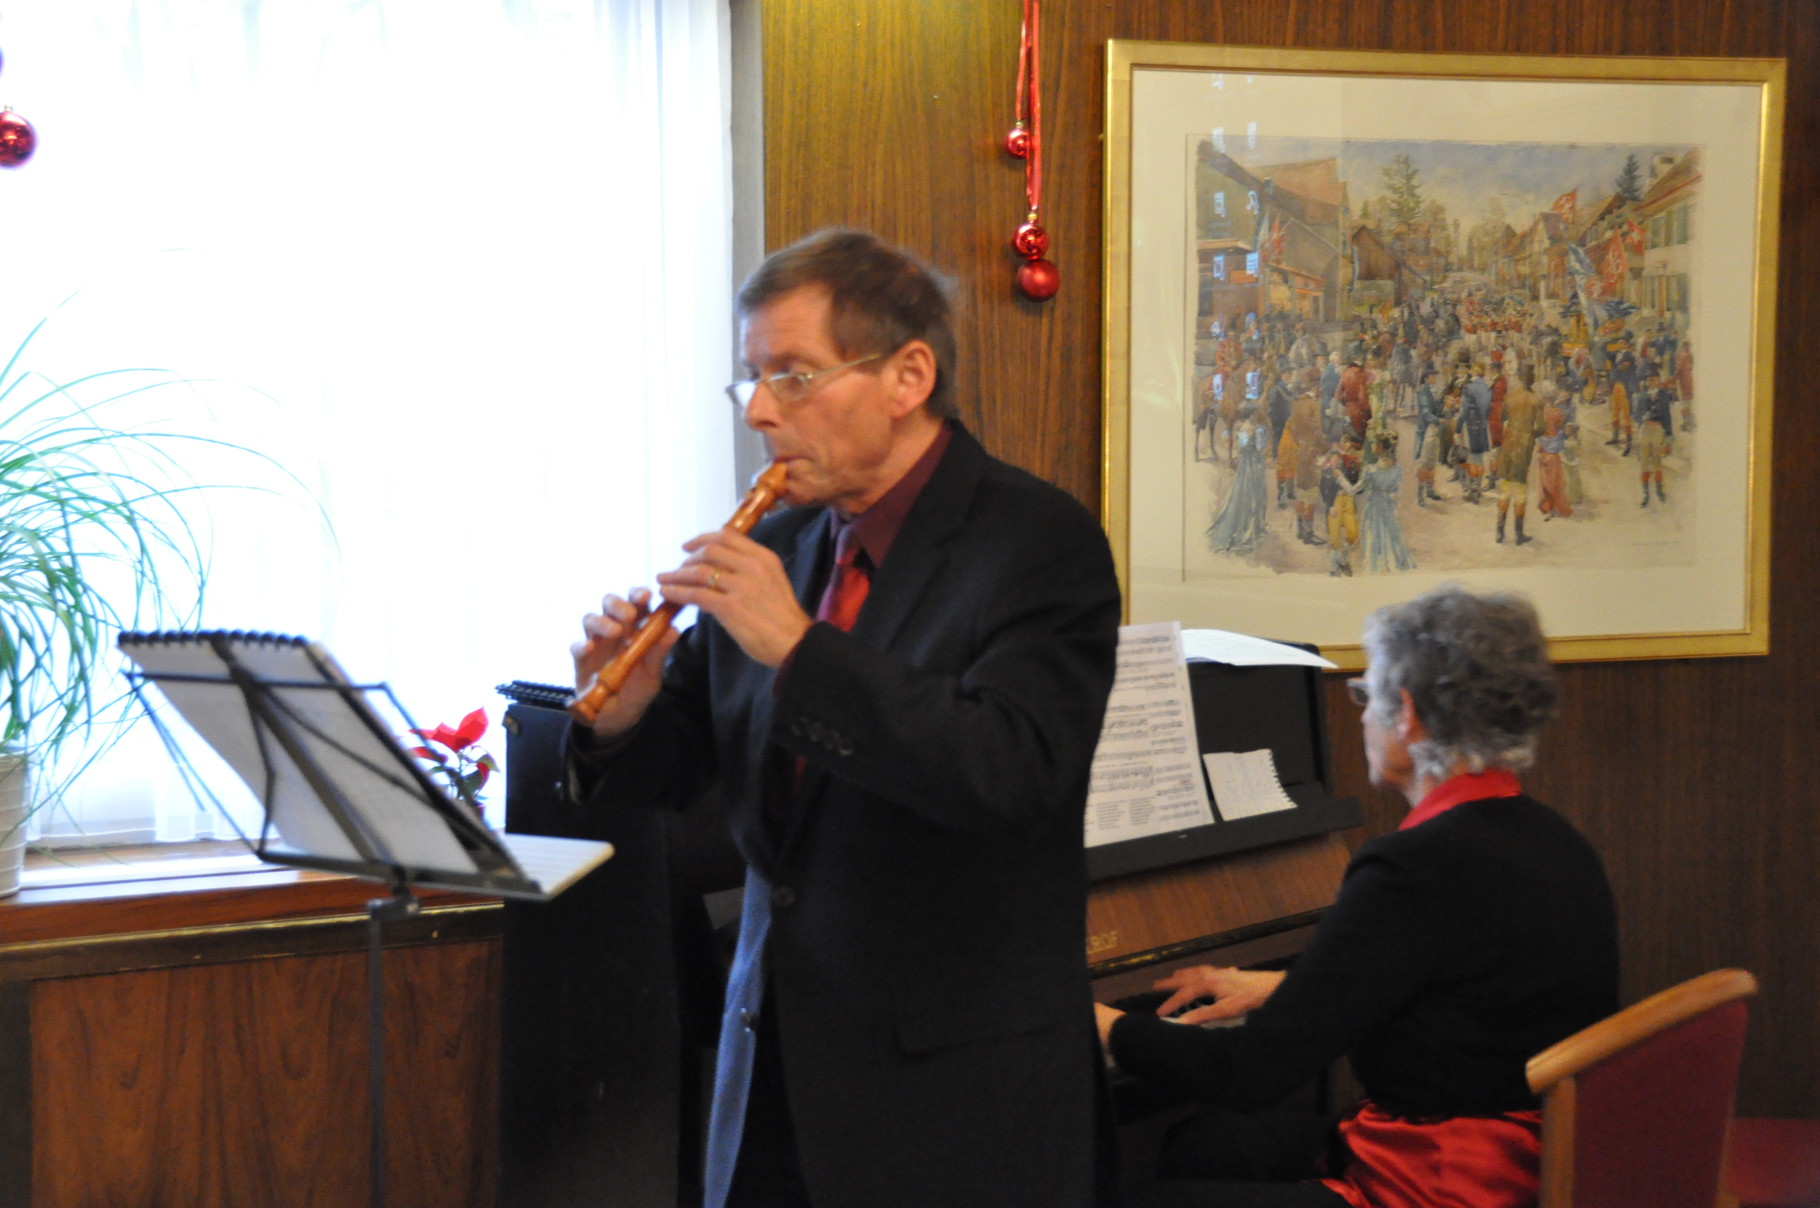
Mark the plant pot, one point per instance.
(14, 771)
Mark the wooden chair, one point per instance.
(1635, 1108)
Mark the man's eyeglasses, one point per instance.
(791, 388)
(1361, 695)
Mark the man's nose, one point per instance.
(761, 410)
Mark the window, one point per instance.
(1678, 293)
(461, 266)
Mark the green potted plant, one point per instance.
(93, 539)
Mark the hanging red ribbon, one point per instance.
(1036, 277)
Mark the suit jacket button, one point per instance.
(783, 896)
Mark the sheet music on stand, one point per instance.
(1146, 777)
(339, 791)
(1213, 743)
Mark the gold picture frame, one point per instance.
(1569, 222)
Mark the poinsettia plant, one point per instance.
(454, 757)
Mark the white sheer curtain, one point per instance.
(460, 266)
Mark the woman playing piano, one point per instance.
(1473, 937)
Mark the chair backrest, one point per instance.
(1635, 1108)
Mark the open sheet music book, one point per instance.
(1219, 752)
(339, 790)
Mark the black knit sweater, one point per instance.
(1457, 950)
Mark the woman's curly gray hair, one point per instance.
(1476, 668)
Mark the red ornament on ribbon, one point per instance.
(1031, 241)
(1037, 278)
(17, 139)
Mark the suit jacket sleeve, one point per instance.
(668, 759)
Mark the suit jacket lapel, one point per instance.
(771, 769)
(916, 559)
(920, 551)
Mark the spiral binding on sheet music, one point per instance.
(238, 637)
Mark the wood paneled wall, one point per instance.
(1693, 777)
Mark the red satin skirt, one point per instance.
(1461, 1162)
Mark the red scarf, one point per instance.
(1458, 790)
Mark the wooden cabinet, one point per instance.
(209, 1048)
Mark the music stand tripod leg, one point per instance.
(380, 911)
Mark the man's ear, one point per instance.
(912, 373)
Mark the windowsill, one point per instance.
(79, 894)
(63, 867)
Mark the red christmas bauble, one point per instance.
(1039, 279)
(1031, 241)
(17, 140)
(1017, 143)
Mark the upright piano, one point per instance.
(612, 992)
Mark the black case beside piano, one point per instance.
(611, 992)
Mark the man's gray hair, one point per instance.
(1476, 668)
(879, 299)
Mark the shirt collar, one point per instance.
(1457, 790)
(877, 527)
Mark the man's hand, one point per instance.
(1105, 1017)
(605, 634)
(741, 584)
(1234, 991)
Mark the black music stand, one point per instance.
(340, 792)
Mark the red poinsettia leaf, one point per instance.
(487, 762)
(447, 737)
(471, 728)
(424, 753)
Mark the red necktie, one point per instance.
(848, 584)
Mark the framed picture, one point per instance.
(1374, 322)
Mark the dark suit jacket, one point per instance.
(920, 920)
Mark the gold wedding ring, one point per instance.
(714, 580)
